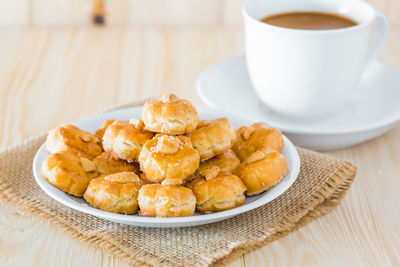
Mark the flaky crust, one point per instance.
(124, 140)
(66, 171)
(170, 115)
(257, 137)
(262, 174)
(156, 200)
(168, 157)
(117, 193)
(213, 137)
(100, 132)
(226, 161)
(226, 191)
(106, 163)
(69, 138)
(193, 181)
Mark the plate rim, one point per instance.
(172, 221)
(394, 117)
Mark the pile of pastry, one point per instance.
(166, 164)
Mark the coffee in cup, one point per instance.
(309, 20)
(310, 73)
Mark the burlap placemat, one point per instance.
(322, 183)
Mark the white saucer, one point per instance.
(374, 109)
(94, 122)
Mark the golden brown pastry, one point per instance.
(102, 129)
(107, 164)
(168, 157)
(144, 178)
(117, 192)
(190, 183)
(257, 137)
(69, 138)
(125, 140)
(226, 161)
(156, 200)
(170, 115)
(260, 172)
(224, 191)
(68, 172)
(213, 137)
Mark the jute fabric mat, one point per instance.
(322, 183)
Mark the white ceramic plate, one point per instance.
(94, 122)
(374, 110)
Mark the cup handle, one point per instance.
(380, 38)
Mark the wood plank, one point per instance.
(174, 12)
(14, 12)
(128, 12)
(159, 60)
(60, 12)
(22, 59)
(231, 12)
(28, 241)
(70, 65)
(77, 12)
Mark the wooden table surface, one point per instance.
(50, 75)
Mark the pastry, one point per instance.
(125, 140)
(168, 157)
(261, 171)
(170, 115)
(157, 200)
(190, 183)
(165, 164)
(107, 164)
(219, 191)
(69, 138)
(257, 137)
(212, 137)
(68, 172)
(117, 192)
(102, 129)
(227, 161)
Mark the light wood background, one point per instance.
(56, 67)
(141, 12)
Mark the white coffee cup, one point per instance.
(310, 73)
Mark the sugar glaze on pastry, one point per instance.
(262, 171)
(218, 191)
(125, 140)
(69, 138)
(226, 162)
(257, 137)
(68, 172)
(106, 163)
(213, 137)
(170, 115)
(166, 156)
(157, 200)
(117, 192)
